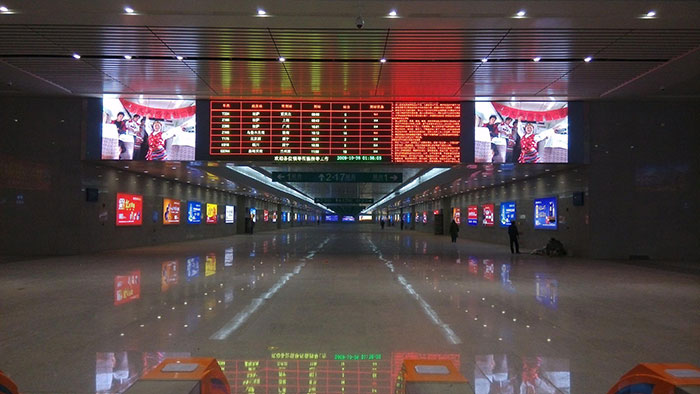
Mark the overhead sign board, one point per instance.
(338, 177)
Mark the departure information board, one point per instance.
(307, 132)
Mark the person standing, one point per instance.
(454, 229)
(513, 235)
(381, 223)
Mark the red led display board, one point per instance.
(309, 132)
(129, 209)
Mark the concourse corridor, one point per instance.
(335, 308)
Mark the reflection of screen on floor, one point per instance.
(521, 132)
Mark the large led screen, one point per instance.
(487, 211)
(194, 212)
(230, 214)
(171, 211)
(129, 209)
(472, 215)
(521, 132)
(212, 212)
(148, 129)
(546, 213)
(507, 213)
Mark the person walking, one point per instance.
(381, 223)
(454, 229)
(513, 235)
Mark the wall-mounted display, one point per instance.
(194, 212)
(521, 132)
(285, 217)
(148, 129)
(212, 215)
(230, 214)
(365, 218)
(171, 211)
(507, 213)
(472, 215)
(331, 218)
(456, 215)
(266, 215)
(487, 212)
(253, 214)
(348, 219)
(129, 209)
(546, 213)
(425, 217)
(274, 216)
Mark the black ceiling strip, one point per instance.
(283, 65)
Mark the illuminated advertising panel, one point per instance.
(365, 218)
(148, 129)
(285, 217)
(168, 275)
(546, 213)
(274, 216)
(322, 132)
(230, 214)
(507, 213)
(487, 210)
(472, 215)
(521, 132)
(212, 213)
(129, 209)
(194, 212)
(418, 217)
(253, 214)
(127, 287)
(331, 218)
(210, 265)
(171, 211)
(266, 215)
(348, 219)
(456, 215)
(425, 217)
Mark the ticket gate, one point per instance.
(183, 376)
(431, 377)
(659, 379)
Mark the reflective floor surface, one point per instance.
(335, 308)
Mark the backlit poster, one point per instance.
(456, 215)
(230, 214)
(521, 132)
(425, 217)
(285, 217)
(274, 216)
(129, 209)
(194, 212)
(266, 215)
(507, 213)
(212, 213)
(347, 219)
(331, 218)
(148, 129)
(417, 217)
(546, 213)
(210, 265)
(171, 211)
(127, 287)
(168, 275)
(192, 267)
(487, 210)
(253, 214)
(472, 215)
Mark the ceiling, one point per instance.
(433, 51)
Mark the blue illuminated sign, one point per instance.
(546, 213)
(331, 218)
(348, 219)
(194, 212)
(507, 213)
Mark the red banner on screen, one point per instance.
(129, 209)
(158, 113)
(531, 116)
(127, 287)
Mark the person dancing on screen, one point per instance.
(528, 145)
(156, 142)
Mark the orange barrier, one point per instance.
(7, 386)
(650, 378)
(430, 376)
(183, 376)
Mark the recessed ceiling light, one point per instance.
(587, 59)
(484, 60)
(521, 13)
(4, 9)
(76, 56)
(179, 57)
(536, 59)
(128, 10)
(382, 60)
(392, 13)
(261, 12)
(127, 57)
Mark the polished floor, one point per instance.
(335, 308)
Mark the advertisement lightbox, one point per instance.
(266, 215)
(194, 212)
(507, 213)
(129, 209)
(274, 216)
(212, 215)
(230, 214)
(456, 215)
(171, 211)
(487, 210)
(472, 215)
(253, 214)
(348, 219)
(331, 218)
(546, 213)
(425, 217)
